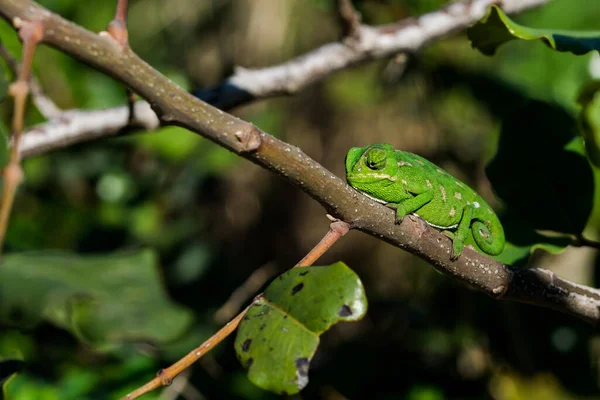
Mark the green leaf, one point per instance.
(546, 184)
(495, 29)
(104, 300)
(524, 241)
(590, 120)
(280, 333)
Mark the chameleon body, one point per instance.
(411, 184)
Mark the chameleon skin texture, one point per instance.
(411, 184)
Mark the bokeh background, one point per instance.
(128, 247)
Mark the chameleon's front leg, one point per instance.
(459, 237)
(411, 205)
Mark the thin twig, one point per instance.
(581, 241)
(117, 28)
(45, 106)
(31, 34)
(165, 376)
(245, 291)
(130, 106)
(337, 229)
(172, 392)
(349, 18)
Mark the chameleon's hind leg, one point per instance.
(461, 233)
(411, 205)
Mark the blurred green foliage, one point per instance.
(211, 218)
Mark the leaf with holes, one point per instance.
(495, 29)
(280, 333)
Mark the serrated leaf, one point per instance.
(495, 29)
(544, 182)
(280, 333)
(104, 300)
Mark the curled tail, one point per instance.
(489, 235)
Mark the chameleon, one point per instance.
(411, 184)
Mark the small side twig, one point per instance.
(117, 28)
(165, 376)
(31, 33)
(349, 18)
(130, 106)
(581, 241)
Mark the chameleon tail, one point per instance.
(489, 236)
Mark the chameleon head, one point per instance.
(371, 169)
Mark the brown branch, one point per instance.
(248, 85)
(165, 376)
(45, 106)
(31, 34)
(176, 106)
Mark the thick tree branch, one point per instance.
(362, 43)
(176, 106)
(367, 43)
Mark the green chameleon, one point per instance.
(411, 184)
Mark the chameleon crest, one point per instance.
(411, 184)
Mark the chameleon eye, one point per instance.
(376, 159)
